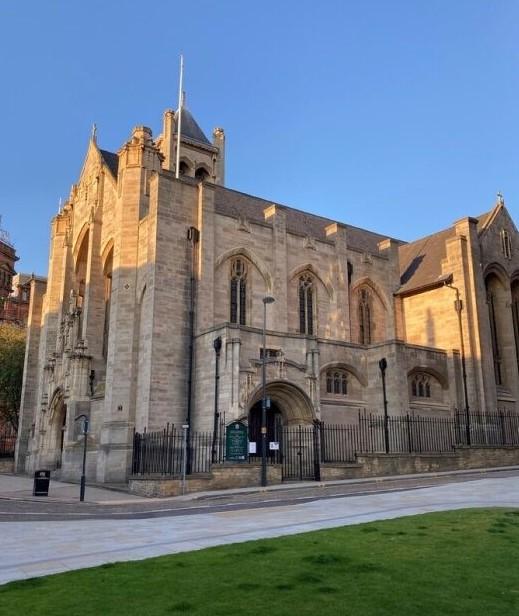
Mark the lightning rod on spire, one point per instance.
(179, 117)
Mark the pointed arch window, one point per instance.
(306, 305)
(421, 386)
(491, 299)
(238, 291)
(515, 317)
(337, 382)
(365, 325)
(506, 244)
(107, 301)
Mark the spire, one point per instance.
(93, 135)
(189, 127)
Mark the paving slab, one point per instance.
(32, 549)
(19, 487)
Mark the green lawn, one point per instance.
(461, 562)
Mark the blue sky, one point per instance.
(396, 116)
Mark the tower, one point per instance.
(199, 158)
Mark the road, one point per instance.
(19, 509)
(49, 537)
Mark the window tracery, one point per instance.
(364, 314)
(506, 244)
(337, 382)
(238, 291)
(421, 385)
(306, 305)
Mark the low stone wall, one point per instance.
(221, 477)
(225, 476)
(6, 465)
(381, 465)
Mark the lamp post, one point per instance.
(382, 364)
(185, 429)
(217, 344)
(83, 473)
(268, 299)
(458, 307)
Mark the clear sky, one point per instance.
(397, 116)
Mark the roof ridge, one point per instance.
(306, 213)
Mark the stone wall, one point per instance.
(222, 477)
(378, 465)
(6, 465)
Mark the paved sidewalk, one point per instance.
(32, 549)
(19, 487)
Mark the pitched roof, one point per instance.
(190, 128)
(420, 261)
(237, 204)
(111, 160)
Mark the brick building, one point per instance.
(146, 271)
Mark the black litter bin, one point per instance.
(41, 483)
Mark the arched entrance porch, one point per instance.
(290, 423)
(290, 401)
(58, 425)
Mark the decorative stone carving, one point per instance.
(248, 386)
(309, 243)
(242, 224)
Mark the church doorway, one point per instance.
(58, 427)
(274, 424)
(292, 435)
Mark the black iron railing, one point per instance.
(162, 452)
(7, 442)
(496, 429)
(301, 449)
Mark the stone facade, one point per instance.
(8, 259)
(147, 270)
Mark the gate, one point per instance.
(300, 453)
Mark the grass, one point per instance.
(460, 562)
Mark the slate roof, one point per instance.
(420, 261)
(233, 203)
(111, 160)
(190, 128)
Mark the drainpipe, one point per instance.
(193, 237)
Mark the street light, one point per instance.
(458, 307)
(217, 345)
(268, 299)
(382, 364)
(83, 475)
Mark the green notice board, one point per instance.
(236, 442)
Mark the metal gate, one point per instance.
(300, 453)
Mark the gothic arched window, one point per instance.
(238, 291)
(201, 174)
(337, 382)
(421, 386)
(107, 271)
(491, 299)
(306, 305)
(364, 317)
(506, 244)
(183, 168)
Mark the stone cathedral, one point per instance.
(147, 271)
